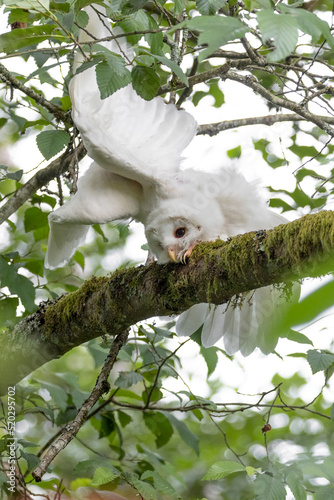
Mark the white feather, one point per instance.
(190, 321)
(101, 197)
(244, 323)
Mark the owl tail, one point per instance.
(244, 323)
(63, 241)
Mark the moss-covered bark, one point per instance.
(215, 272)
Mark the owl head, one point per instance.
(174, 229)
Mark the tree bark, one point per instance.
(214, 273)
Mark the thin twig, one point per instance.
(9, 79)
(42, 177)
(70, 431)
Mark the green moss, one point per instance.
(225, 266)
(71, 306)
(295, 240)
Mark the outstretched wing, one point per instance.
(101, 197)
(138, 139)
(134, 143)
(244, 323)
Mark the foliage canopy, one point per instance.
(154, 433)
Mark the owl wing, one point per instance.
(101, 197)
(243, 323)
(125, 134)
(134, 143)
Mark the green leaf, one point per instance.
(127, 379)
(179, 6)
(145, 489)
(319, 360)
(311, 306)
(104, 475)
(145, 82)
(24, 37)
(222, 469)
(310, 23)
(31, 459)
(155, 40)
(278, 203)
(211, 358)
(268, 487)
(87, 468)
(155, 395)
(79, 258)
(52, 142)
(27, 444)
(213, 91)
(297, 337)
(34, 218)
(39, 5)
(17, 284)
(18, 15)
(133, 6)
(328, 468)
(209, 7)
(251, 470)
(124, 418)
(25, 290)
(216, 31)
(234, 153)
(66, 20)
(325, 493)
(58, 395)
(106, 424)
(16, 176)
(332, 411)
(112, 76)
(283, 29)
(160, 483)
(134, 22)
(160, 426)
(162, 332)
(174, 67)
(295, 485)
(81, 4)
(3, 480)
(99, 231)
(185, 434)
(8, 308)
(303, 151)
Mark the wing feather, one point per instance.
(138, 139)
(101, 197)
(134, 143)
(245, 322)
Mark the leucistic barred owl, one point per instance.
(136, 146)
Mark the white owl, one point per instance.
(136, 146)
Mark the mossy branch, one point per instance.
(215, 273)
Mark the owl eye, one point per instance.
(180, 232)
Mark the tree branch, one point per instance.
(250, 81)
(40, 179)
(212, 129)
(9, 79)
(225, 73)
(215, 273)
(71, 430)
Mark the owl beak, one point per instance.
(172, 254)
